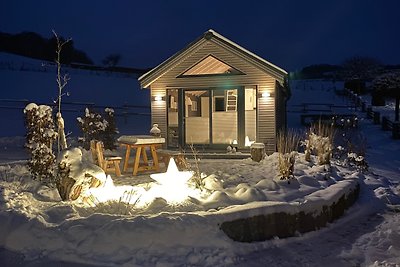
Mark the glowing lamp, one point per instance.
(172, 184)
(247, 141)
(158, 98)
(265, 94)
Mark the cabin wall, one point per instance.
(254, 76)
(266, 126)
(159, 109)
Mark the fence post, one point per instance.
(385, 126)
(363, 106)
(396, 130)
(369, 112)
(377, 117)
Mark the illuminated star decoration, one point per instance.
(172, 184)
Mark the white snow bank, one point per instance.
(36, 223)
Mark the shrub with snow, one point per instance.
(96, 127)
(111, 131)
(41, 135)
(352, 153)
(75, 175)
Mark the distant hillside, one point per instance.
(24, 80)
(30, 44)
(328, 71)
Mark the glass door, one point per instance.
(225, 117)
(196, 113)
(207, 117)
(173, 118)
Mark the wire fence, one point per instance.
(130, 119)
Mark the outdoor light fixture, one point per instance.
(265, 94)
(158, 98)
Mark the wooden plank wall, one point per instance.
(254, 77)
(159, 110)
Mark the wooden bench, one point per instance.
(179, 157)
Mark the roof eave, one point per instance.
(149, 77)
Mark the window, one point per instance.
(219, 103)
(210, 66)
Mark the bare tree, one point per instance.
(388, 84)
(62, 80)
(361, 68)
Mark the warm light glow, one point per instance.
(158, 98)
(110, 192)
(235, 142)
(265, 94)
(247, 141)
(172, 185)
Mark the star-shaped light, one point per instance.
(172, 184)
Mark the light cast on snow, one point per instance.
(173, 184)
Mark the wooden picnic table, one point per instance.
(141, 143)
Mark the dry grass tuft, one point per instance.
(287, 145)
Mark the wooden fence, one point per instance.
(375, 116)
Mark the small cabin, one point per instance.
(215, 93)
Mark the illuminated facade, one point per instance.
(214, 93)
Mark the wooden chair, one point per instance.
(107, 162)
(93, 150)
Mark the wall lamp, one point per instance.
(158, 98)
(264, 95)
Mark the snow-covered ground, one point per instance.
(24, 80)
(45, 232)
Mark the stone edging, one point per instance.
(316, 211)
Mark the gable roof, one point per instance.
(148, 78)
(210, 65)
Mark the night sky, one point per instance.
(290, 34)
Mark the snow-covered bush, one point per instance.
(40, 136)
(287, 145)
(75, 175)
(387, 85)
(352, 151)
(357, 161)
(111, 131)
(96, 127)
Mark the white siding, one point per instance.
(266, 121)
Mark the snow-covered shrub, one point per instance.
(96, 127)
(352, 151)
(287, 145)
(111, 131)
(40, 136)
(75, 176)
(357, 161)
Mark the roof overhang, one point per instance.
(151, 76)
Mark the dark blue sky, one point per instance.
(290, 34)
